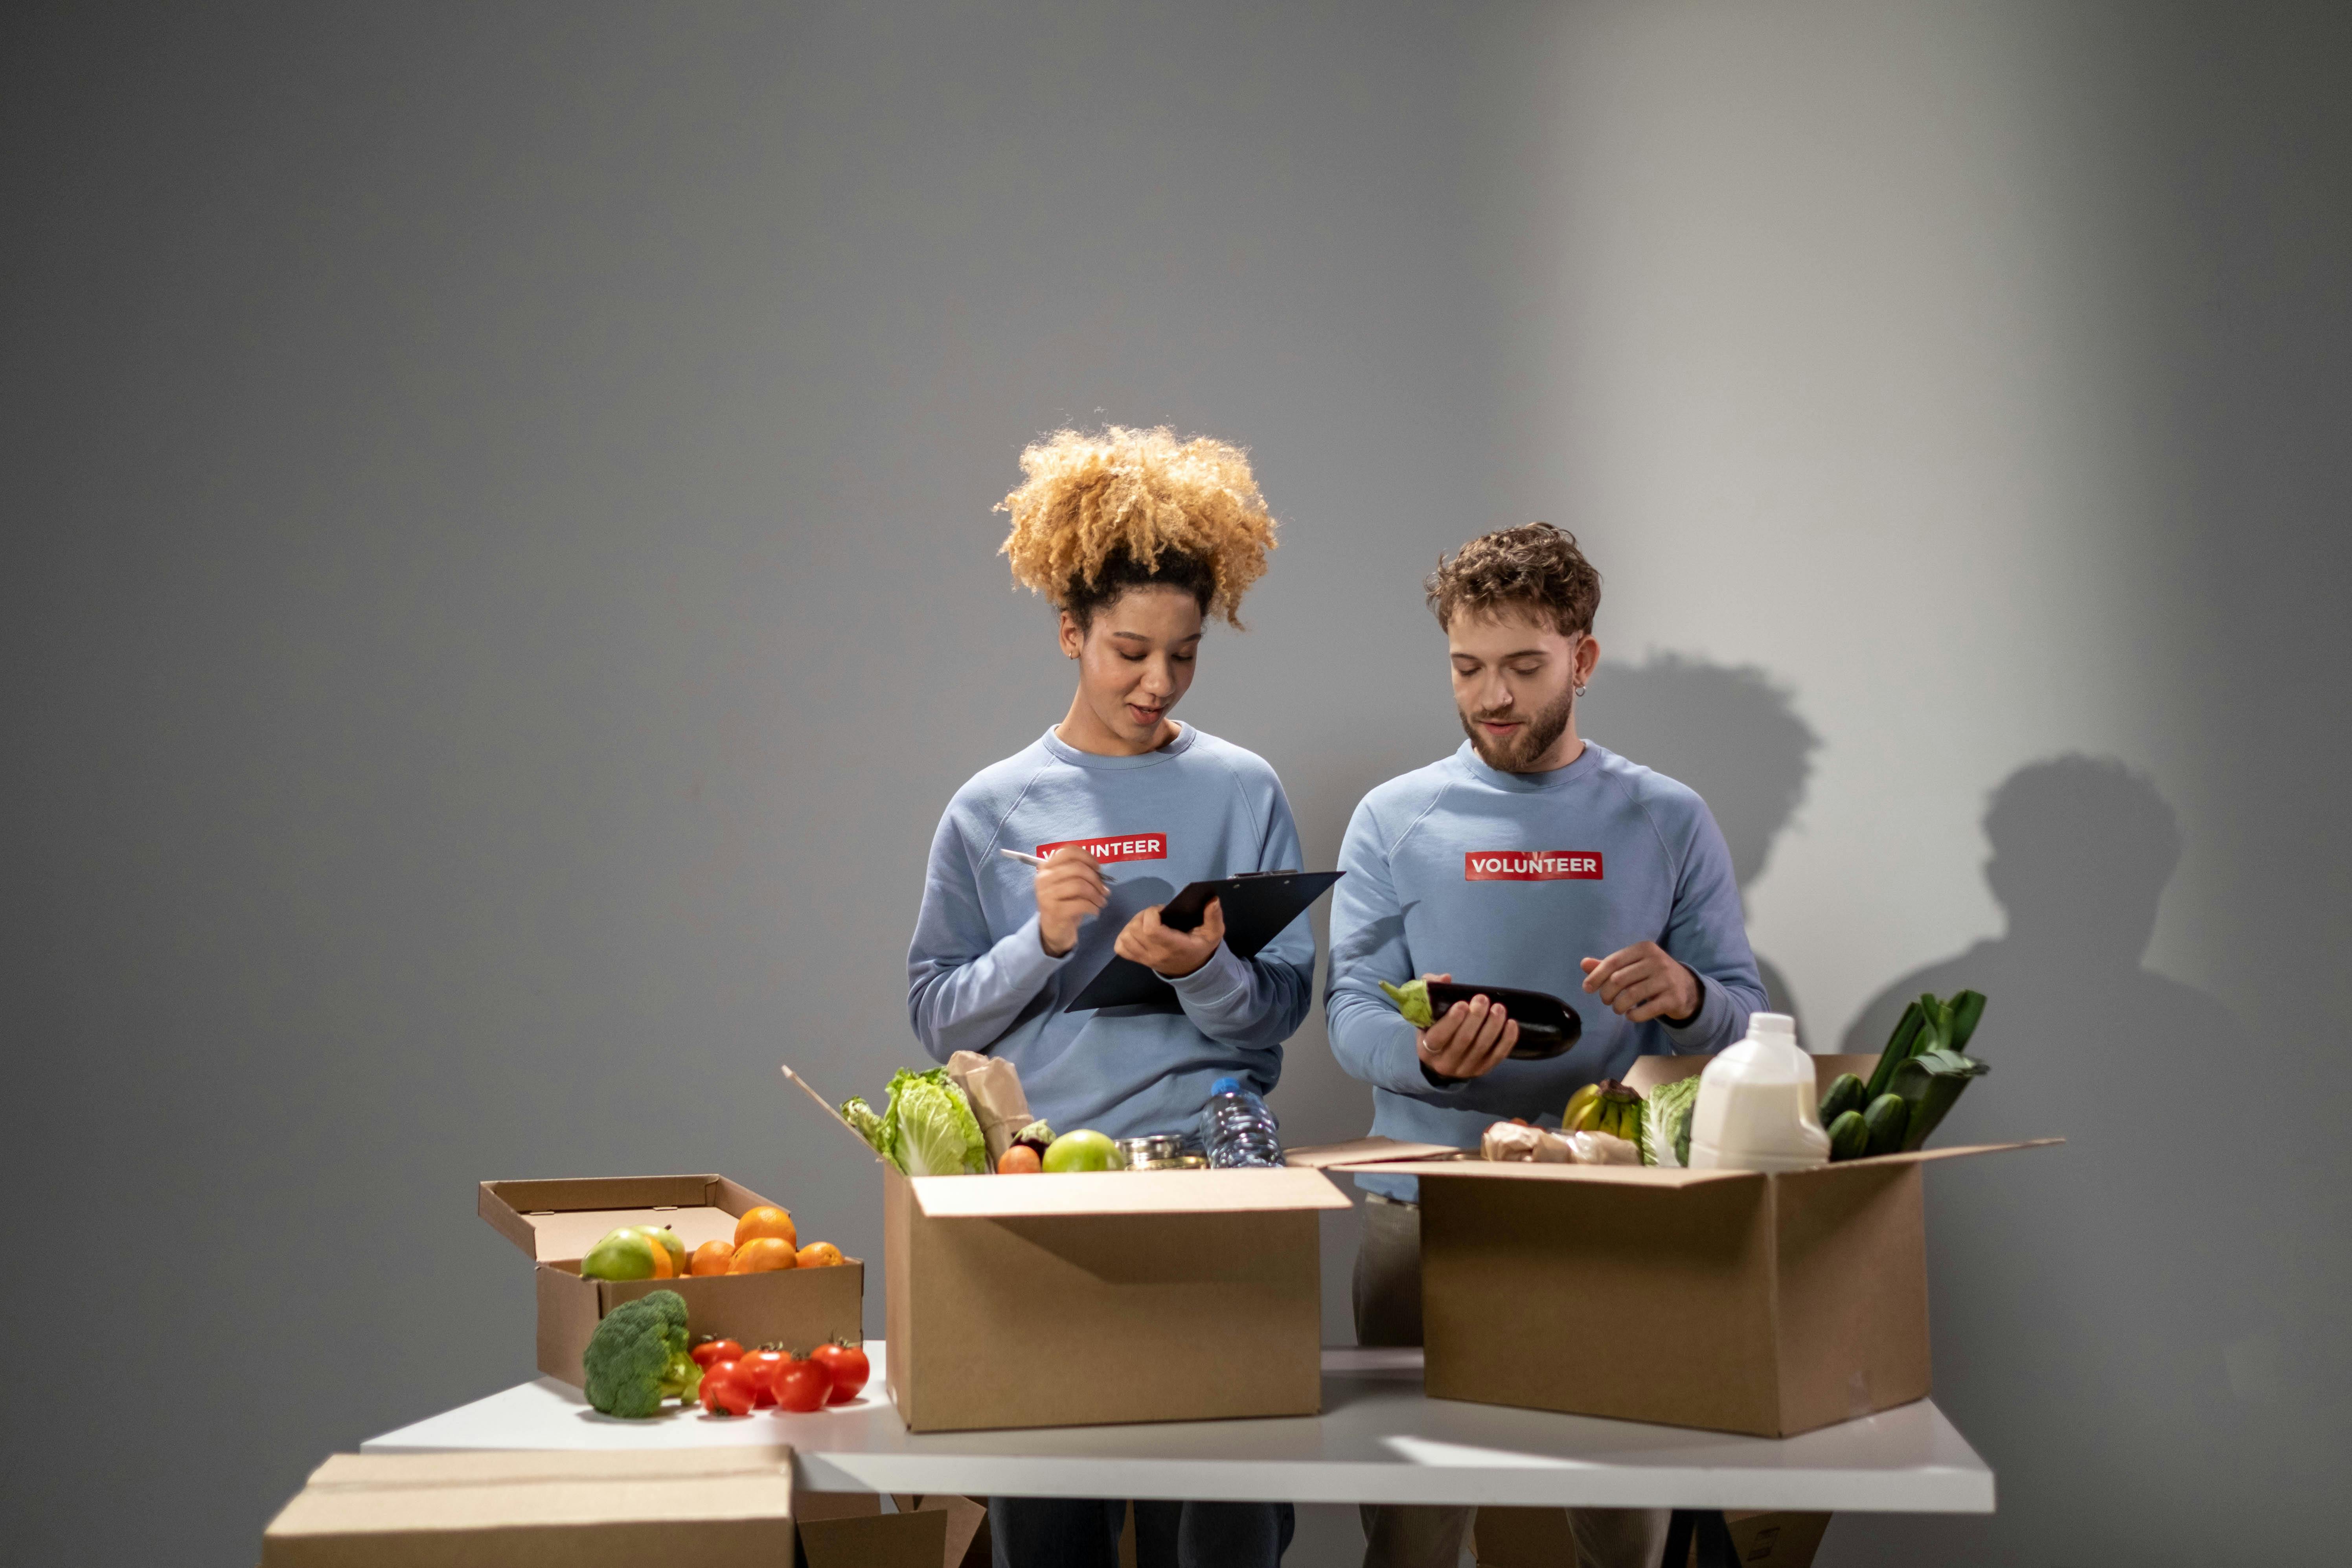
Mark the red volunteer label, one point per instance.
(1531, 866)
(1134, 847)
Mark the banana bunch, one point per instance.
(1605, 1107)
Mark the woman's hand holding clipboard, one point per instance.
(1255, 907)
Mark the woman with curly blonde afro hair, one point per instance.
(1102, 513)
(1049, 863)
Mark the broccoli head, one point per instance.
(637, 1357)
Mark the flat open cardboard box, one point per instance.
(555, 1221)
(1107, 1297)
(720, 1507)
(1770, 1304)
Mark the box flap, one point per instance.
(1658, 1176)
(558, 1221)
(1370, 1151)
(1524, 1171)
(1921, 1156)
(838, 1119)
(377, 1495)
(1124, 1192)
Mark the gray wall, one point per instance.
(497, 586)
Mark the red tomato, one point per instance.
(710, 1353)
(801, 1385)
(760, 1369)
(849, 1367)
(724, 1391)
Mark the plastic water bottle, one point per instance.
(1237, 1129)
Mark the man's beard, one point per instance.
(1535, 738)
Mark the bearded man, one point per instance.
(1529, 858)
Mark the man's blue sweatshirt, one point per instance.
(1510, 879)
(979, 978)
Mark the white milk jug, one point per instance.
(1758, 1109)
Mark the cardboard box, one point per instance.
(718, 1508)
(555, 1221)
(1540, 1537)
(849, 1530)
(1733, 1300)
(1149, 1295)
(1102, 1298)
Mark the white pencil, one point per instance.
(1033, 861)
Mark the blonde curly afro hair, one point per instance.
(1100, 514)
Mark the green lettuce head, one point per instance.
(932, 1131)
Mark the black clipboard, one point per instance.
(1259, 906)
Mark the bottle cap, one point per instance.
(1780, 1024)
(1226, 1086)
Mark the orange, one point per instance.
(818, 1255)
(671, 1242)
(766, 1220)
(712, 1257)
(664, 1268)
(761, 1254)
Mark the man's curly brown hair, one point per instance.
(1099, 513)
(1534, 566)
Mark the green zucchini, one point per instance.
(1883, 1124)
(1849, 1136)
(1845, 1093)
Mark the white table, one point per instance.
(1378, 1440)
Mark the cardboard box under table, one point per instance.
(556, 1222)
(1107, 1297)
(1733, 1300)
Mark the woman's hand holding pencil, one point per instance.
(1071, 890)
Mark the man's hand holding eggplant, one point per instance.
(1469, 1040)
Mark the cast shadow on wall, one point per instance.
(2089, 1300)
(1732, 734)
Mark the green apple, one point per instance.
(1082, 1151)
(621, 1255)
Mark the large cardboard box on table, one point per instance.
(1101, 1298)
(556, 1222)
(1113, 1296)
(1733, 1300)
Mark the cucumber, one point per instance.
(1849, 1136)
(1845, 1093)
(1897, 1051)
(1967, 1010)
(1888, 1117)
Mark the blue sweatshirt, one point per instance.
(979, 979)
(1508, 880)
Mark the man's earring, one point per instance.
(1579, 689)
